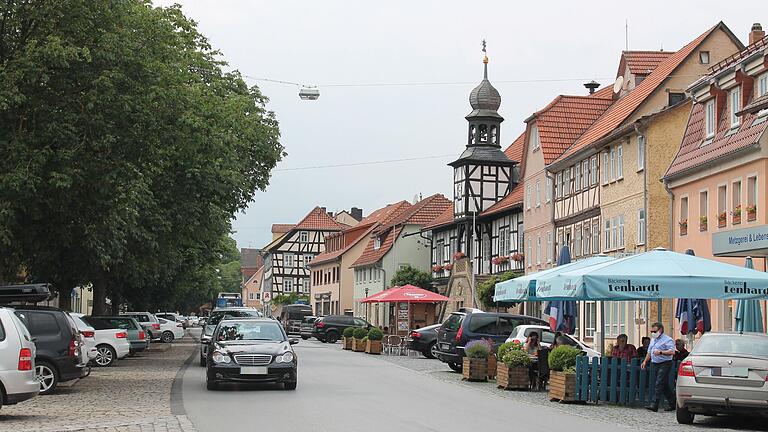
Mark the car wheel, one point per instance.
(202, 361)
(47, 376)
(431, 351)
(684, 416)
(211, 384)
(331, 337)
(455, 367)
(105, 355)
(167, 337)
(290, 385)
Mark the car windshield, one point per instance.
(81, 325)
(240, 313)
(108, 323)
(732, 344)
(245, 331)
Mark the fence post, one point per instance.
(634, 367)
(578, 377)
(643, 386)
(594, 396)
(604, 365)
(614, 387)
(623, 382)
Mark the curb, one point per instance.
(177, 398)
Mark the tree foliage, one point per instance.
(413, 276)
(285, 299)
(486, 289)
(125, 149)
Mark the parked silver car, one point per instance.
(725, 373)
(17, 360)
(148, 321)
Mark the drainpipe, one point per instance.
(645, 196)
(671, 223)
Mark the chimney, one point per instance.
(356, 213)
(756, 34)
(330, 214)
(592, 86)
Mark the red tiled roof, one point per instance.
(756, 105)
(318, 219)
(516, 196)
(446, 218)
(371, 255)
(386, 212)
(604, 93)
(625, 106)
(759, 44)
(421, 213)
(564, 120)
(282, 228)
(642, 62)
(692, 153)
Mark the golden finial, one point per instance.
(485, 55)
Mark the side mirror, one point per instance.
(293, 341)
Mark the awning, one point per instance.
(405, 294)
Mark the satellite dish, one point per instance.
(617, 86)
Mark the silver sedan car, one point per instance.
(725, 373)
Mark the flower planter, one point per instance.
(736, 218)
(722, 220)
(512, 378)
(751, 215)
(562, 386)
(358, 345)
(475, 369)
(702, 226)
(683, 230)
(346, 343)
(373, 347)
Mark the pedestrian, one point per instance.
(623, 350)
(643, 350)
(680, 352)
(661, 351)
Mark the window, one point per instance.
(288, 285)
(615, 318)
(528, 197)
(377, 242)
(305, 285)
(593, 171)
(538, 193)
(619, 161)
(709, 118)
(620, 242)
(577, 178)
(735, 98)
(704, 57)
(641, 226)
(566, 182)
(590, 318)
(530, 252)
(535, 140)
(307, 260)
(640, 152)
(736, 198)
(289, 260)
(615, 232)
(251, 296)
(549, 246)
(559, 185)
(607, 234)
(538, 249)
(606, 172)
(612, 154)
(304, 236)
(722, 205)
(762, 89)
(548, 192)
(703, 206)
(585, 174)
(577, 241)
(595, 236)
(503, 242)
(751, 198)
(675, 98)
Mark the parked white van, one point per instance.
(17, 360)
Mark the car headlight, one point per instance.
(220, 357)
(284, 358)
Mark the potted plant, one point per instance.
(448, 267)
(458, 255)
(373, 346)
(475, 366)
(346, 338)
(437, 268)
(517, 256)
(736, 215)
(683, 227)
(702, 223)
(562, 378)
(358, 344)
(751, 212)
(500, 260)
(722, 218)
(512, 370)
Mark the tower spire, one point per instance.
(485, 61)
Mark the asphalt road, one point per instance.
(345, 391)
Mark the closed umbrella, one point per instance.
(562, 313)
(749, 316)
(689, 310)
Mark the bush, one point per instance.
(360, 333)
(516, 357)
(348, 332)
(506, 348)
(375, 334)
(563, 357)
(365, 339)
(477, 349)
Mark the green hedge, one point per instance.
(348, 332)
(375, 334)
(563, 358)
(360, 333)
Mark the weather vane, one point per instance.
(484, 46)
(485, 53)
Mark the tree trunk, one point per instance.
(99, 296)
(65, 299)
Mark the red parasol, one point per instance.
(405, 294)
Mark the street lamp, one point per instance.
(367, 304)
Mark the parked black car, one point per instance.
(424, 340)
(59, 357)
(251, 350)
(462, 327)
(330, 327)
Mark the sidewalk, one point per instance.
(132, 395)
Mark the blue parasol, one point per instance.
(749, 316)
(562, 313)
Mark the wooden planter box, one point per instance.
(373, 347)
(492, 366)
(512, 378)
(475, 369)
(562, 386)
(358, 345)
(346, 343)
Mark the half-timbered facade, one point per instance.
(287, 258)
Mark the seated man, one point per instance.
(680, 352)
(623, 350)
(643, 350)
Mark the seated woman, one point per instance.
(532, 345)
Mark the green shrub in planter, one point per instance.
(365, 339)
(360, 333)
(477, 349)
(563, 357)
(507, 347)
(375, 334)
(513, 358)
(348, 332)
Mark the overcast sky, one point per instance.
(561, 44)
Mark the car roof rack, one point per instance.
(28, 293)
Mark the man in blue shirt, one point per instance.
(660, 352)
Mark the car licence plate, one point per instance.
(445, 346)
(734, 372)
(253, 370)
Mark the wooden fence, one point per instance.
(616, 381)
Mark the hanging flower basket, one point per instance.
(683, 227)
(751, 212)
(500, 260)
(736, 215)
(458, 255)
(448, 267)
(437, 268)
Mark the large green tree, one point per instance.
(409, 275)
(125, 148)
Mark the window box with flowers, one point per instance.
(437, 268)
(517, 256)
(448, 267)
(736, 215)
(751, 212)
(683, 227)
(702, 223)
(499, 260)
(458, 255)
(722, 219)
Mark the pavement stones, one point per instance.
(133, 395)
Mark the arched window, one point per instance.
(472, 134)
(494, 135)
(483, 133)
